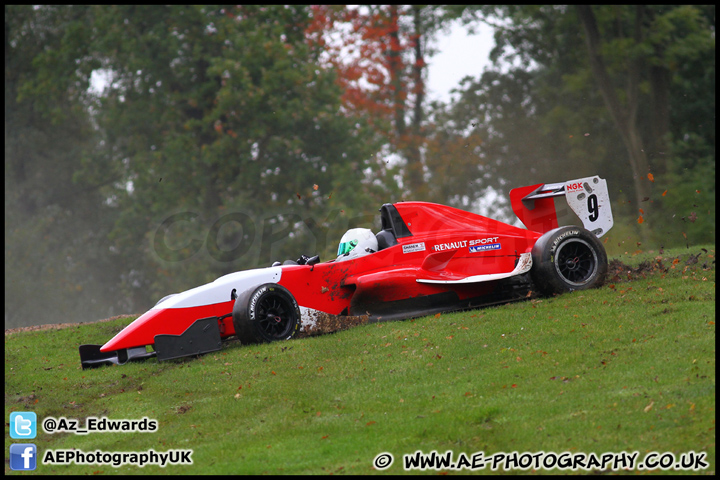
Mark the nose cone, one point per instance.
(174, 315)
(165, 321)
(142, 331)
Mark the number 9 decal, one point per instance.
(592, 205)
(585, 196)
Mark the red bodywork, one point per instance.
(436, 244)
(392, 275)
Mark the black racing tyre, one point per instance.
(267, 313)
(165, 298)
(567, 259)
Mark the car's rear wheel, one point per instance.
(567, 259)
(267, 313)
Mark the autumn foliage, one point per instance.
(371, 51)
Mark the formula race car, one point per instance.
(427, 258)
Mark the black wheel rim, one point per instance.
(576, 262)
(275, 316)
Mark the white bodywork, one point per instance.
(219, 290)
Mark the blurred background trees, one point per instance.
(149, 149)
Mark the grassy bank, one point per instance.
(627, 367)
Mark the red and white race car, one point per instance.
(428, 258)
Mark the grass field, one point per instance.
(627, 367)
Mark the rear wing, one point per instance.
(587, 197)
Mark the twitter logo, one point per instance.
(23, 425)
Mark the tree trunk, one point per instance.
(415, 173)
(625, 118)
(660, 121)
(395, 66)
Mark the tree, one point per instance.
(243, 121)
(57, 266)
(380, 54)
(218, 142)
(627, 75)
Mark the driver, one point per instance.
(357, 242)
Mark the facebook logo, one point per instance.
(23, 425)
(23, 456)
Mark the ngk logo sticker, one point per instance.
(574, 187)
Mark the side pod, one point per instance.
(202, 336)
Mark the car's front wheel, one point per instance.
(266, 313)
(567, 259)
